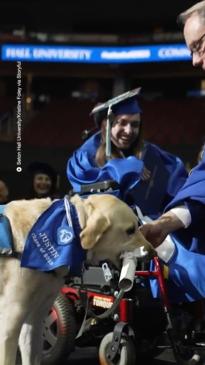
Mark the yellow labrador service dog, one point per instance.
(107, 228)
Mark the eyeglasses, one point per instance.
(198, 46)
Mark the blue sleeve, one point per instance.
(193, 189)
(176, 169)
(197, 211)
(192, 194)
(81, 170)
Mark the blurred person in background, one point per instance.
(43, 181)
(4, 192)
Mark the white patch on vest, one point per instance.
(65, 236)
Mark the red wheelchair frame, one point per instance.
(122, 333)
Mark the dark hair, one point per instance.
(134, 150)
(99, 117)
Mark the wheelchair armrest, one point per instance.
(100, 186)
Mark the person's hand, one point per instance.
(156, 231)
(145, 174)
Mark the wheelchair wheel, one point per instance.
(126, 355)
(59, 331)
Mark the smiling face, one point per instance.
(125, 130)
(42, 184)
(194, 34)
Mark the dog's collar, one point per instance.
(75, 220)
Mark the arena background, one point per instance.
(57, 97)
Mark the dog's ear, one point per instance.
(97, 223)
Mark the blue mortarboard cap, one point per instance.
(125, 103)
(128, 106)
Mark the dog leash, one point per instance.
(68, 213)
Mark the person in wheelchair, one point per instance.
(147, 175)
(133, 164)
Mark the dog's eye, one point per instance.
(130, 230)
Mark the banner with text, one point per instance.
(82, 54)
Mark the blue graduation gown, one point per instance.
(186, 280)
(82, 169)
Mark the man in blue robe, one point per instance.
(184, 216)
(147, 175)
(184, 254)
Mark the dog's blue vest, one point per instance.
(53, 241)
(6, 240)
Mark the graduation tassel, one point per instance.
(108, 134)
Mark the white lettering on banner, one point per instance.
(22, 52)
(173, 52)
(60, 54)
(50, 248)
(45, 247)
(69, 53)
(143, 53)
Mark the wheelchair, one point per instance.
(127, 327)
